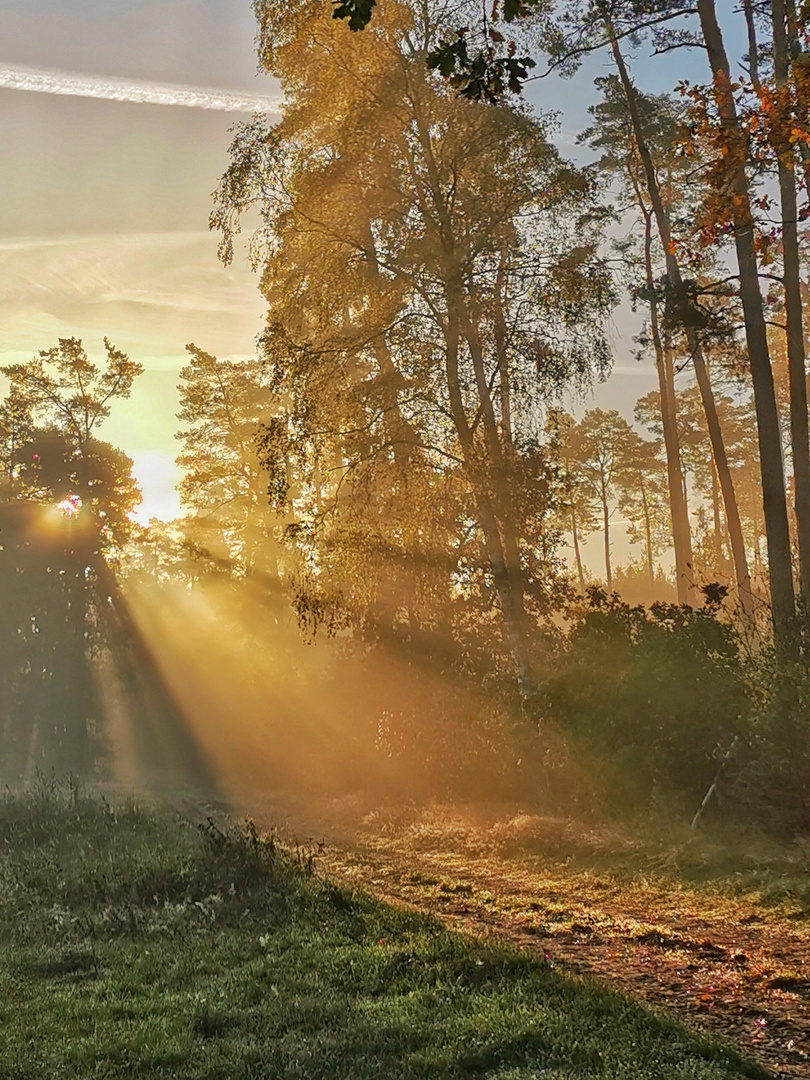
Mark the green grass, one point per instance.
(133, 944)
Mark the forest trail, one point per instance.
(733, 965)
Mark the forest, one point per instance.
(417, 566)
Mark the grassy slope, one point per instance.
(134, 945)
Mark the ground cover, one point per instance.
(714, 927)
(134, 943)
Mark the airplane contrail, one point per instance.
(50, 81)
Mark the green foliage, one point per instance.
(432, 275)
(223, 406)
(484, 76)
(49, 445)
(96, 480)
(357, 12)
(658, 694)
(66, 504)
(769, 782)
(68, 391)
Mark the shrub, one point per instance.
(657, 693)
(770, 782)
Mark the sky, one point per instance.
(103, 220)
(103, 223)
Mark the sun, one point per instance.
(70, 506)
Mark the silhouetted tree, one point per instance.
(65, 506)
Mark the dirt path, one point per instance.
(729, 965)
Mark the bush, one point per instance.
(770, 781)
(657, 693)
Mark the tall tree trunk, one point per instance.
(647, 532)
(717, 519)
(679, 511)
(742, 575)
(725, 480)
(757, 533)
(768, 431)
(501, 542)
(498, 468)
(799, 430)
(606, 525)
(794, 50)
(509, 599)
(751, 27)
(399, 432)
(504, 375)
(577, 552)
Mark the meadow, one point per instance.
(136, 944)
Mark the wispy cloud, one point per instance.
(49, 81)
(150, 292)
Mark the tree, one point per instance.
(480, 59)
(66, 507)
(783, 144)
(54, 406)
(16, 426)
(587, 25)
(774, 115)
(643, 497)
(736, 416)
(577, 503)
(223, 405)
(600, 446)
(730, 209)
(431, 274)
(614, 134)
(688, 319)
(69, 392)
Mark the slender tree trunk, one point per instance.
(511, 604)
(757, 533)
(498, 470)
(399, 433)
(647, 533)
(606, 525)
(799, 430)
(794, 50)
(577, 553)
(742, 575)
(317, 480)
(751, 27)
(720, 462)
(679, 511)
(505, 389)
(768, 431)
(502, 551)
(717, 519)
